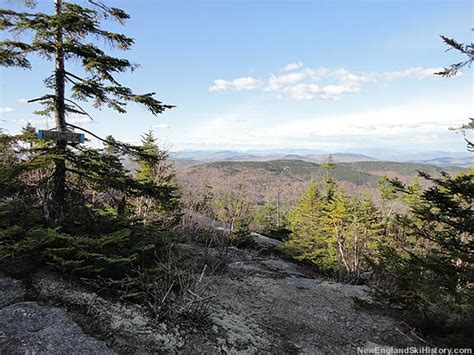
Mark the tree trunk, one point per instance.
(59, 111)
(341, 249)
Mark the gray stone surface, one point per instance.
(11, 291)
(28, 327)
(265, 242)
(259, 304)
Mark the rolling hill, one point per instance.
(264, 180)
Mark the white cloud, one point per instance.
(317, 74)
(303, 92)
(276, 83)
(247, 83)
(23, 101)
(293, 66)
(410, 125)
(408, 122)
(319, 83)
(161, 126)
(418, 72)
(346, 76)
(340, 89)
(7, 109)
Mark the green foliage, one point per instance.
(99, 237)
(63, 37)
(110, 146)
(431, 274)
(308, 240)
(154, 170)
(241, 237)
(271, 222)
(334, 232)
(77, 24)
(107, 247)
(328, 165)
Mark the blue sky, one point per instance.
(330, 75)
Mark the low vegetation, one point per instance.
(105, 231)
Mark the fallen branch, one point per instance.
(167, 293)
(202, 273)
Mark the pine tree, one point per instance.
(431, 276)
(367, 231)
(308, 240)
(266, 218)
(155, 171)
(337, 216)
(328, 166)
(64, 36)
(334, 232)
(147, 169)
(66, 206)
(110, 146)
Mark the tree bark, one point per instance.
(59, 111)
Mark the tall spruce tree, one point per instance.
(65, 206)
(154, 170)
(334, 232)
(308, 240)
(64, 36)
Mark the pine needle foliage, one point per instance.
(95, 240)
(73, 36)
(334, 232)
(432, 274)
(66, 206)
(79, 25)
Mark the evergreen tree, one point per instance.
(63, 205)
(431, 275)
(110, 146)
(308, 240)
(64, 36)
(334, 232)
(147, 171)
(328, 166)
(154, 170)
(271, 222)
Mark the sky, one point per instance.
(335, 76)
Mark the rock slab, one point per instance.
(28, 327)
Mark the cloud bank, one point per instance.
(301, 83)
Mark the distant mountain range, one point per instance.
(450, 161)
(195, 157)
